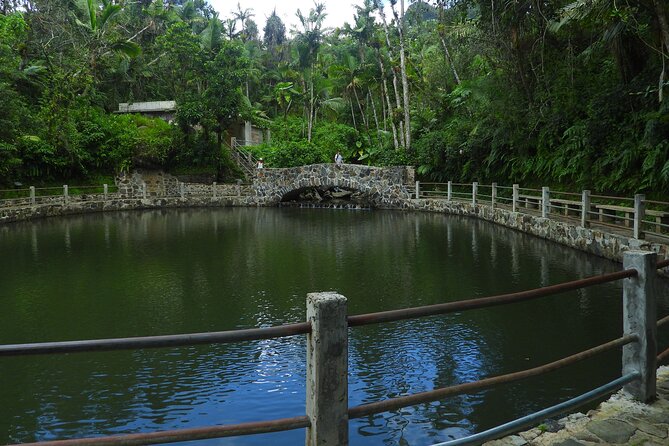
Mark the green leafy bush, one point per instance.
(135, 140)
(289, 147)
(331, 137)
(291, 154)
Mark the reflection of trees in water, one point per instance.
(171, 271)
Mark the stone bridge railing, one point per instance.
(381, 187)
(386, 188)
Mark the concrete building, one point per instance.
(164, 110)
(241, 133)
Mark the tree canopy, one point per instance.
(559, 92)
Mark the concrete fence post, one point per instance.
(493, 196)
(66, 194)
(32, 195)
(585, 209)
(640, 319)
(213, 189)
(144, 189)
(475, 187)
(514, 205)
(545, 202)
(105, 191)
(639, 214)
(449, 195)
(417, 190)
(327, 370)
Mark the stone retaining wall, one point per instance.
(54, 199)
(118, 204)
(221, 190)
(593, 241)
(161, 184)
(602, 244)
(383, 187)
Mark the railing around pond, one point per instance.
(33, 196)
(246, 161)
(638, 215)
(66, 194)
(327, 411)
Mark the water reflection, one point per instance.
(177, 271)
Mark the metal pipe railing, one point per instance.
(326, 328)
(663, 356)
(537, 417)
(180, 340)
(631, 212)
(191, 434)
(449, 307)
(439, 394)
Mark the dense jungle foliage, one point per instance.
(558, 92)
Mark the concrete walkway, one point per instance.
(619, 421)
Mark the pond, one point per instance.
(193, 270)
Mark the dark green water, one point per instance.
(166, 272)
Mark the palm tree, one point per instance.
(398, 102)
(210, 37)
(403, 69)
(230, 25)
(350, 73)
(96, 21)
(242, 15)
(274, 36)
(365, 33)
(308, 42)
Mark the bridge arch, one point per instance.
(382, 187)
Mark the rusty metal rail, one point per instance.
(180, 340)
(251, 334)
(663, 356)
(438, 394)
(305, 328)
(551, 412)
(197, 433)
(450, 307)
(662, 321)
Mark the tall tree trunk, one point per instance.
(353, 115)
(310, 124)
(357, 99)
(305, 103)
(450, 60)
(395, 82)
(492, 16)
(405, 80)
(387, 96)
(384, 116)
(664, 32)
(376, 118)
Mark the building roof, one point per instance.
(145, 107)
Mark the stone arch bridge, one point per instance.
(380, 187)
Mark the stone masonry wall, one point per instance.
(161, 184)
(221, 190)
(383, 187)
(58, 208)
(593, 241)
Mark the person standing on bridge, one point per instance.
(338, 158)
(261, 164)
